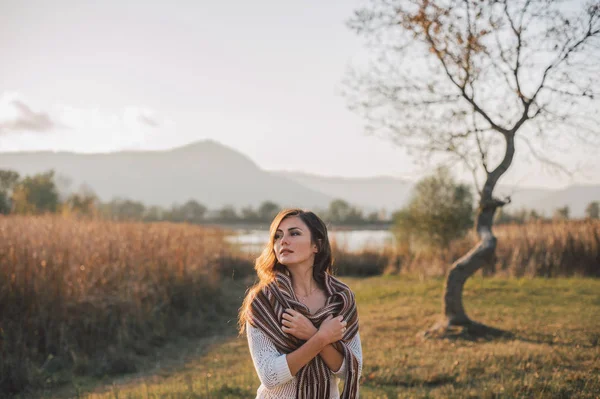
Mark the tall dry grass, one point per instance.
(364, 263)
(546, 249)
(549, 249)
(93, 297)
(89, 296)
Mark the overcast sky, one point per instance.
(262, 77)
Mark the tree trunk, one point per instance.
(453, 311)
(466, 266)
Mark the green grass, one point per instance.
(555, 352)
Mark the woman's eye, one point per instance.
(295, 233)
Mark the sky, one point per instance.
(262, 77)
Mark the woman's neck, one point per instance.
(303, 281)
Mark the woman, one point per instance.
(301, 321)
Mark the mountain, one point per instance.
(216, 175)
(211, 173)
(394, 193)
(576, 197)
(369, 193)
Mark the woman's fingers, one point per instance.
(288, 318)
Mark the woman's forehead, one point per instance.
(291, 222)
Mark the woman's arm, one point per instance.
(296, 324)
(274, 368)
(332, 358)
(356, 348)
(271, 366)
(330, 330)
(304, 354)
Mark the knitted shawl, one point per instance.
(266, 313)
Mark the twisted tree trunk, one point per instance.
(453, 310)
(467, 265)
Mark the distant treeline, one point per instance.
(521, 216)
(39, 194)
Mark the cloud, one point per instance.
(136, 117)
(17, 116)
(147, 120)
(82, 129)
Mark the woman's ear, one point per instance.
(318, 245)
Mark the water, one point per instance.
(254, 241)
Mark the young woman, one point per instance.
(301, 321)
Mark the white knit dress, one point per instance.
(277, 382)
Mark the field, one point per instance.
(555, 351)
(89, 297)
(544, 249)
(152, 307)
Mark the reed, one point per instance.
(92, 297)
(538, 249)
(88, 297)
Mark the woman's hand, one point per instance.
(333, 328)
(296, 324)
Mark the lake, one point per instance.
(253, 241)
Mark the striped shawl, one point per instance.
(267, 308)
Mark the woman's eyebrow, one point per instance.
(292, 228)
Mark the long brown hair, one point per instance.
(267, 266)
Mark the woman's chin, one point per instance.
(286, 260)
(293, 263)
(287, 263)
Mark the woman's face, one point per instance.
(293, 244)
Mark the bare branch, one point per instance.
(461, 88)
(480, 60)
(517, 32)
(483, 154)
(567, 50)
(544, 159)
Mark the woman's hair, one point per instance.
(267, 266)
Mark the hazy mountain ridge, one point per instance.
(373, 193)
(206, 171)
(216, 175)
(394, 193)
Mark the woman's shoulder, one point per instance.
(250, 326)
(338, 284)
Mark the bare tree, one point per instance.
(592, 211)
(466, 79)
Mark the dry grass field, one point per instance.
(84, 303)
(88, 297)
(554, 353)
(538, 249)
